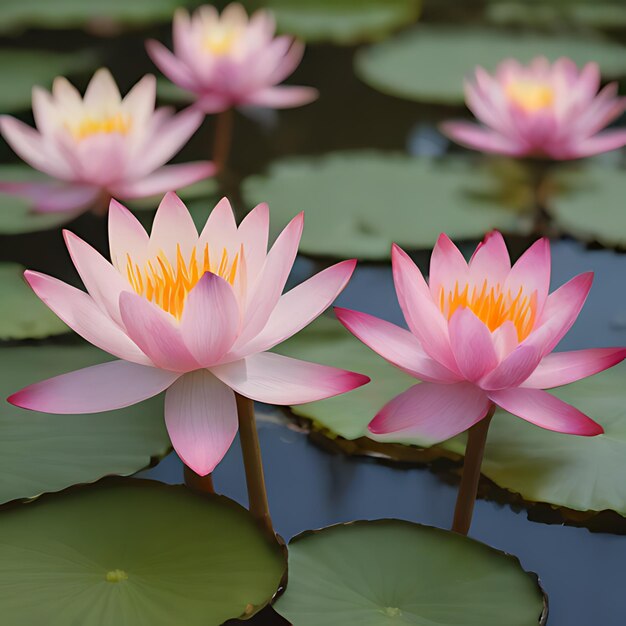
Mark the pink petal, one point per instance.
(396, 345)
(201, 419)
(431, 412)
(545, 410)
(173, 228)
(300, 306)
(514, 369)
(103, 282)
(81, 313)
(603, 142)
(102, 92)
(531, 273)
(282, 97)
(562, 368)
(103, 387)
(472, 345)
(505, 339)
(272, 280)
(127, 237)
(210, 320)
(170, 65)
(277, 379)
(51, 197)
(478, 138)
(166, 178)
(220, 230)
(560, 312)
(156, 333)
(490, 260)
(448, 268)
(254, 233)
(422, 315)
(168, 139)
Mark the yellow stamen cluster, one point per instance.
(89, 126)
(220, 41)
(167, 285)
(530, 95)
(493, 306)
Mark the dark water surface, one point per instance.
(582, 572)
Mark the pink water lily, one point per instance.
(480, 334)
(231, 60)
(544, 110)
(194, 315)
(101, 146)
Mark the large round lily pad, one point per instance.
(359, 203)
(341, 21)
(601, 14)
(21, 69)
(429, 63)
(576, 473)
(22, 314)
(133, 552)
(98, 16)
(590, 204)
(41, 452)
(390, 572)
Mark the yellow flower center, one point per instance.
(167, 285)
(530, 95)
(220, 41)
(89, 126)
(493, 306)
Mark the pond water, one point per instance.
(583, 573)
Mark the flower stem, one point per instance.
(249, 438)
(466, 498)
(199, 484)
(223, 139)
(538, 177)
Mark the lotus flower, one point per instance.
(101, 146)
(191, 314)
(481, 334)
(542, 110)
(229, 60)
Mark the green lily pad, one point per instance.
(575, 473)
(359, 203)
(22, 314)
(134, 552)
(590, 204)
(603, 14)
(429, 63)
(390, 572)
(99, 17)
(21, 69)
(42, 453)
(342, 22)
(16, 214)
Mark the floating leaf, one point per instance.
(591, 204)
(430, 63)
(341, 22)
(359, 203)
(394, 572)
(134, 550)
(600, 14)
(41, 452)
(21, 69)
(22, 314)
(97, 16)
(576, 473)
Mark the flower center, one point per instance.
(493, 306)
(167, 284)
(530, 95)
(220, 41)
(89, 126)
